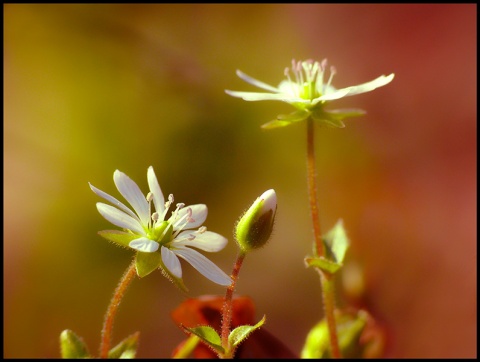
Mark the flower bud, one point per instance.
(255, 226)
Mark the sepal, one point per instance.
(126, 348)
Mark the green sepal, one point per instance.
(324, 264)
(72, 346)
(208, 335)
(239, 334)
(334, 118)
(349, 330)
(121, 238)
(126, 348)
(275, 124)
(286, 119)
(145, 263)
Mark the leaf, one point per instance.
(324, 264)
(239, 334)
(207, 310)
(126, 348)
(337, 243)
(208, 335)
(349, 328)
(72, 346)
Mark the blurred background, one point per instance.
(89, 89)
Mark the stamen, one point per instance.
(182, 222)
(190, 213)
(180, 205)
(149, 197)
(167, 206)
(333, 71)
(155, 216)
(202, 229)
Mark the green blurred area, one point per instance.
(93, 88)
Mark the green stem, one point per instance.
(328, 291)
(113, 307)
(227, 306)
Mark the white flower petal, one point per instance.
(171, 262)
(258, 96)
(113, 200)
(256, 82)
(131, 192)
(119, 218)
(206, 241)
(270, 198)
(204, 266)
(158, 198)
(199, 215)
(369, 86)
(144, 244)
(336, 94)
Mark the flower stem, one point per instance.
(328, 291)
(113, 307)
(312, 188)
(227, 305)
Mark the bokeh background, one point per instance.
(93, 88)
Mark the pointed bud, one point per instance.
(72, 346)
(255, 226)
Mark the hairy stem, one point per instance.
(312, 188)
(328, 291)
(113, 307)
(227, 305)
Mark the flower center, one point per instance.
(308, 78)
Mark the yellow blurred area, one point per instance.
(93, 88)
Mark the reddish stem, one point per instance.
(113, 307)
(326, 280)
(227, 305)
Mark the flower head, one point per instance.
(159, 240)
(308, 89)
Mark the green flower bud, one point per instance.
(255, 226)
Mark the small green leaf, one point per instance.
(208, 335)
(126, 348)
(121, 238)
(337, 242)
(72, 346)
(239, 334)
(324, 264)
(145, 263)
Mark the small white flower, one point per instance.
(152, 234)
(307, 89)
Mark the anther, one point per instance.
(202, 229)
(155, 216)
(149, 197)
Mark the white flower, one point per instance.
(308, 90)
(160, 241)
